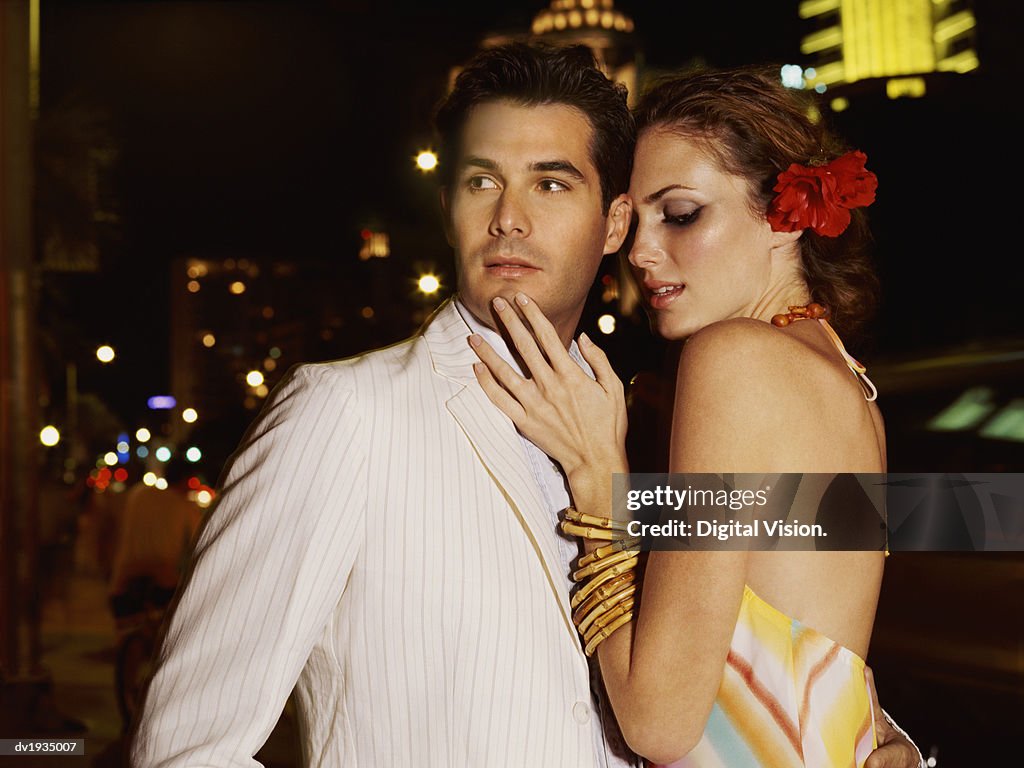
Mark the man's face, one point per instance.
(524, 210)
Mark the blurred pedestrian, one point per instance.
(157, 529)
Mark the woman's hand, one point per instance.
(577, 421)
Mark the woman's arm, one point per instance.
(662, 673)
(663, 677)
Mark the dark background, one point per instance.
(281, 129)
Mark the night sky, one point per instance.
(248, 124)
(280, 129)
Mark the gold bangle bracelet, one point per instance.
(605, 562)
(608, 549)
(574, 515)
(589, 532)
(605, 607)
(602, 577)
(584, 618)
(606, 618)
(607, 632)
(624, 583)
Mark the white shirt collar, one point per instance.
(497, 342)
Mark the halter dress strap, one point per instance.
(858, 370)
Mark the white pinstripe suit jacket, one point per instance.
(381, 545)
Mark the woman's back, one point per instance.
(793, 687)
(802, 410)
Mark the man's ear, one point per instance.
(446, 219)
(619, 214)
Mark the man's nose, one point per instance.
(510, 217)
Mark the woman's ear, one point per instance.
(620, 212)
(785, 239)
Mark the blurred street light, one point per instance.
(189, 415)
(105, 353)
(426, 161)
(254, 378)
(163, 453)
(49, 436)
(142, 434)
(429, 284)
(606, 324)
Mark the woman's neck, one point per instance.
(779, 297)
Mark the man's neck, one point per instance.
(493, 325)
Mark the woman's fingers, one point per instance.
(598, 361)
(499, 380)
(544, 332)
(502, 372)
(497, 394)
(523, 339)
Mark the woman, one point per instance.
(748, 245)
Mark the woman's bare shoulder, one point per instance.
(736, 358)
(749, 393)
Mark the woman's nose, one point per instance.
(644, 253)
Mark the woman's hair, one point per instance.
(755, 127)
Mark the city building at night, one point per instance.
(895, 42)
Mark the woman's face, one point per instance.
(700, 254)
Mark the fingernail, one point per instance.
(521, 299)
(478, 368)
(499, 303)
(475, 339)
(584, 339)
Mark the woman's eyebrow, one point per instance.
(656, 196)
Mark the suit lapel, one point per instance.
(497, 443)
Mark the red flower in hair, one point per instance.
(820, 197)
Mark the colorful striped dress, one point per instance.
(789, 697)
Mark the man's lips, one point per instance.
(510, 261)
(510, 267)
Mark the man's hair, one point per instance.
(536, 75)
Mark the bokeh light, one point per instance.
(49, 436)
(429, 284)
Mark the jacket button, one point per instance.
(581, 712)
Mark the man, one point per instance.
(385, 541)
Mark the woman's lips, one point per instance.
(664, 296)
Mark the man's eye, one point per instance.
(482, 182)
(551, 185)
